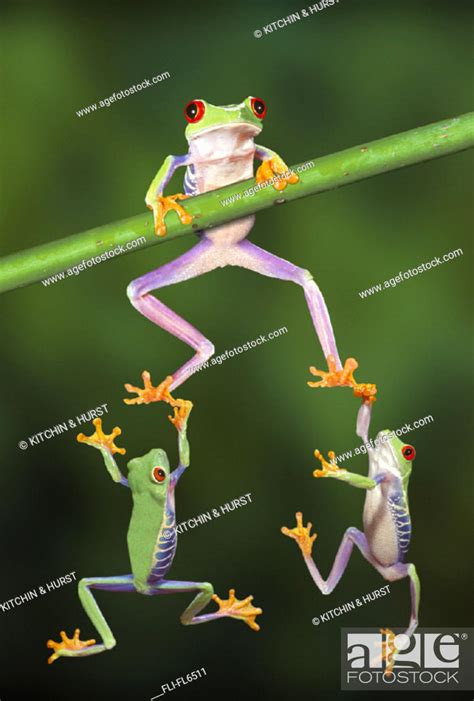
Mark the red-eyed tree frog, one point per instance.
(152, 541)
(387, 524)
(222, 151)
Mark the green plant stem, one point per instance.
(327, 173)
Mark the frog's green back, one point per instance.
(149, 500)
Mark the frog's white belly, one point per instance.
(219, 159)
(214, 174)
(210, 176)
(379, 528)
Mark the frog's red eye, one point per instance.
(408, 452)
(259, 107)
(159, 475)
(194, 111)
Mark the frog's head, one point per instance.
(396, 456)
(150, 474)
(203, 117)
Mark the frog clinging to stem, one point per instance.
(387, 524)
(221, 152)
(152, 541)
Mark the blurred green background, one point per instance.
(355, 72)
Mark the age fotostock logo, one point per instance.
(432, 658)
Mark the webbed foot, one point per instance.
(163, 205)
(366, 391)
(276, 168)
(301, 534)
(327, 467)
(99, 439)
(344, 378)
(240, 609)
(70, 644)
(389, 650)
(334, 377)
(148, 393)
(181, 414)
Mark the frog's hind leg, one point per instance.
(248, 255)
(399, 571)
(232, 607)
(392, 573)
(198, 260)
(305, 541)
(73, 647)
(352, 537)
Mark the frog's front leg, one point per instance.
(232, 607)
(160, 205)
(330, 469)
(74, 647)
(364, 416)
(198, 260)
(180, 421)
(106, 444)
(273, 168)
